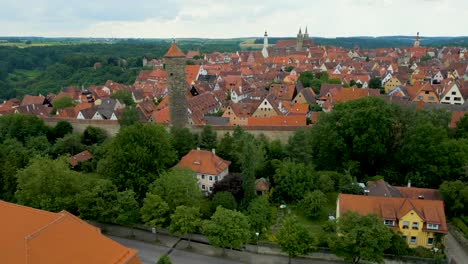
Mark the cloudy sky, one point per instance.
(231, 18)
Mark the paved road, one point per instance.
(149, 253)
(454, 250)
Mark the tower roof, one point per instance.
(174, 52)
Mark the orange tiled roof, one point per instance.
(80, 157)
(203, 161)
(174, 52)
(34, 236)
(393, 208)
(30, 99)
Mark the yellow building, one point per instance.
(391, 84)
(417, 219)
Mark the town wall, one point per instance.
(113, 127)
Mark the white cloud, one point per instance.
(226, 19)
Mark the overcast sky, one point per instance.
(231, 18)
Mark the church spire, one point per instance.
(306, 34)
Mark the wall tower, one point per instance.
(417, 41)
(300, 40)
(175, 68)
(265, 45)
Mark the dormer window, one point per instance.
(432, 226)
(389, 222)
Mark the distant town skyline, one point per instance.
(231, 19)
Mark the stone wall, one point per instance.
(113, 127)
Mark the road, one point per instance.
(149, 253)
(454, 250)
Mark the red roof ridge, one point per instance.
(174, 52)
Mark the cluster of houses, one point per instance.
(261, 88)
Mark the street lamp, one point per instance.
(257, 234)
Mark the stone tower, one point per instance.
(306, 34)
(265, 45)
(300, 40)
(175, 69)
(417, 41)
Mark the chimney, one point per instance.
(214, 151)
(409, 183)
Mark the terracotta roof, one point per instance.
(419, 193)
(174, 52)
(393, 208)
(203, 161)
(34, 236)
(30, 99)
(80, 157)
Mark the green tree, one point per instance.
(314, 202)
(224, 199)
(61, 103)
(250, 162)
(93, 135)
(48, 184)
(292, 181)
(21, 127)
(136, 156)
(129, 116)
(97, 201)
(455, 194)
(127, 209)
(316, 84)
(178, 187)
(306, 78)
(227, 228)
(182, 140)
(164, 259)
(124, 97)
(259, 214)
(399, 247)
(461, 131)
(185, 221)
(298, 147)
(208, 138)
(361, 238)
(69, 144)
(294, 238)
(154, 211)
(61, 129)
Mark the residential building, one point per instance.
(419, 220)
(209, 167)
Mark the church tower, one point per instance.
(306, 34)
(265, 45)
(300, 40)
(175, 69)
(416, 41)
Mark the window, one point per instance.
(447, 97)
(211, 189)
(405, 238)
(405, 225)
(420, 97)
(203, 187)
(415, 226)
(457, 98)
(454, 93)
(430, 241)
(216, 178)
(426, 92)
(389, 222)
(413, 240)
(211, 178)
(431, 98)
(203, 176)
(432, 226)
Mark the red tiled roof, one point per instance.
(174, 52)
(80, 157)
(30, 235)
(203, 161)
(30, 99)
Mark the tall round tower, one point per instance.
(175, 69)
(265, 45)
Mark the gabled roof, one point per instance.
(30, 99)
(80, 157)
(394, 208)
(30, 235)
(203, 161)
(174, 52)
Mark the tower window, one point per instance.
(172, 74)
